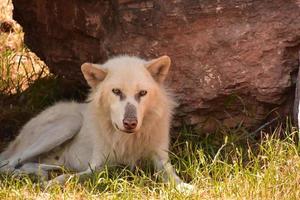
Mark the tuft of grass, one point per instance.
(19, 69)
(227, 168)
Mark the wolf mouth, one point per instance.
(125, 131)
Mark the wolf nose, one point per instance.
(130, 123)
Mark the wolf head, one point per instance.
(127, 88)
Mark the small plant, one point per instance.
(18, 70)
(19, 67)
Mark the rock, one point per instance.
(233, 60)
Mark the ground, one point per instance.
(228, 164)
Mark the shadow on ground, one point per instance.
(17, 109)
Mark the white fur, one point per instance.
(83, 136)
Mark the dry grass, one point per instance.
(19, 67)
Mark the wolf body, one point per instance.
(127, 118)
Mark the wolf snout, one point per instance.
(130, 123)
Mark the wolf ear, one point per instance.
(93, 74)
(159, 68)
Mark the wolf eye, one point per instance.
(142, 93)
(117, 91)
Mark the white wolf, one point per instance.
(127, 118)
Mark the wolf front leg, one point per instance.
(96, 164)
(162, 163)
(40, 170)
(62, 179)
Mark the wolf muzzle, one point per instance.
(130, 121)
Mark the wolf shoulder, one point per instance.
(60, 110)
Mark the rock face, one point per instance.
(233, 60)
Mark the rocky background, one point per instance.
(233, 60)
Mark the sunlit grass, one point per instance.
(19, 67)
(263, 168)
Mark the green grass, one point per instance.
(220, 165)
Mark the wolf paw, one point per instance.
(6, 167)
(49, 183)
(186, 188)
(17, 174)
